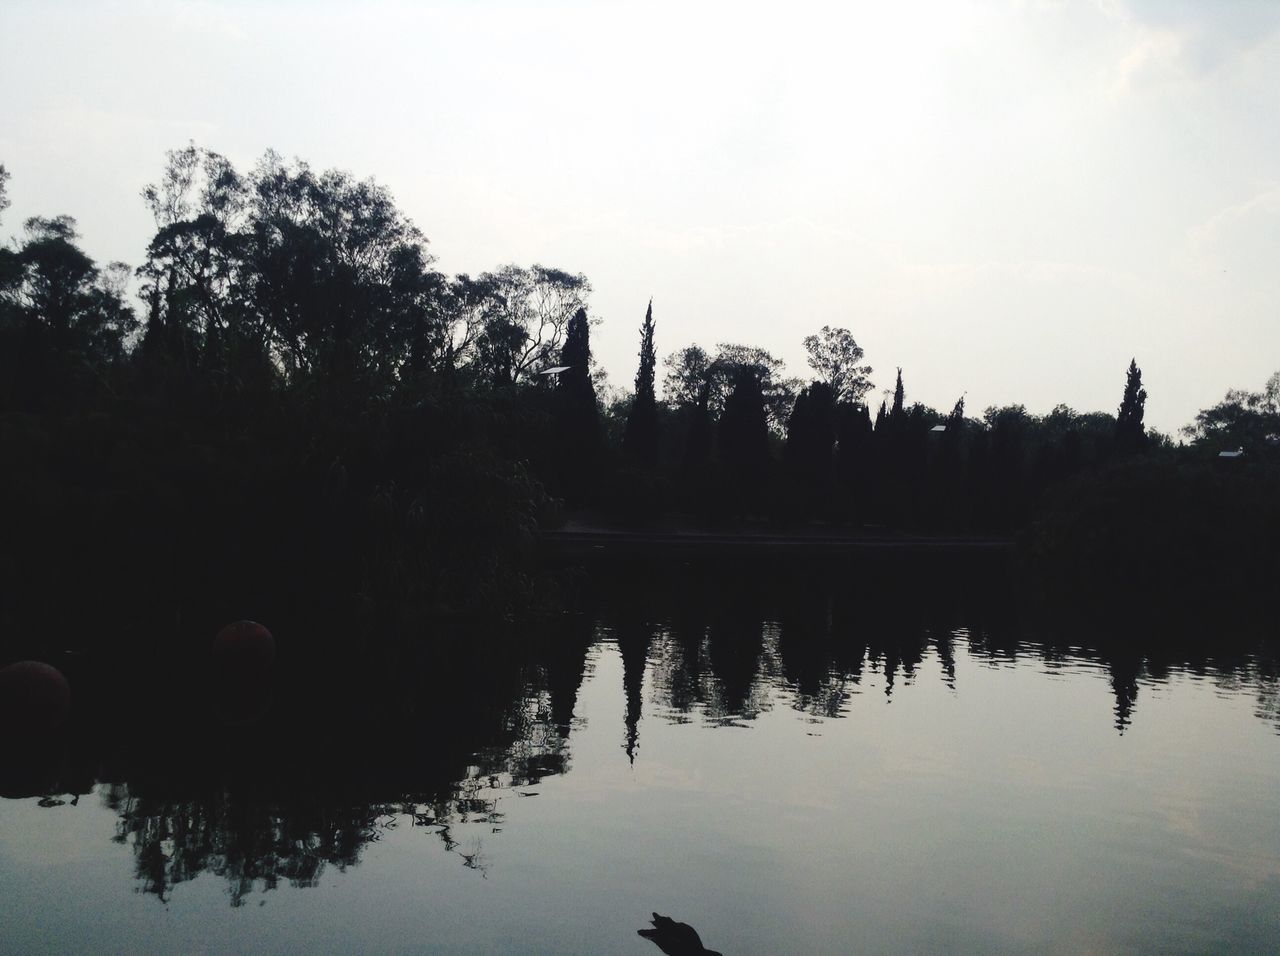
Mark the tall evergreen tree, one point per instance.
(898, 396)
(640, 441)
(744, 428)
(575, 380)
(811, 433)
(1130, 435)
(580, 431)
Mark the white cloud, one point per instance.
(1173, 39)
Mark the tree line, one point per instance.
(296, 391)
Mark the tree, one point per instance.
(60, 316)
(528, 326)
(640, 441)
(576, 400)
(744, 428)
(834, 357)
(688, 372)
(194, 262)
(4, 188)
(77, 308)
(855, 450)
(336, 273)
(811, 436)
(1129, 432)
(575, 380)
(1243, 419)
(465, 307)
(690, 369)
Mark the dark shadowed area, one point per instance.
(880, 755)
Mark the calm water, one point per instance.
(784, 784)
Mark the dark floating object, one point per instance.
(34, 698)
(244, 648)
(675, 939)
(243, 653)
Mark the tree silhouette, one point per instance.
(690, 369)
(65, 306)
(1243, 419)
(834, 356)
(640, 441)
(744, 436)
(811, 439)
(528, 327)
(1130, 436)
(579, 414)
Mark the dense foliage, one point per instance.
(304, 406)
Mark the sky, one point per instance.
(1007, 199)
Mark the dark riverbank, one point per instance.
(591, 540)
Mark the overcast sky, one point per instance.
(1008, 199)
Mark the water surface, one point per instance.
(784, 783)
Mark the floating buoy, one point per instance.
(34, 698)
(244, 648)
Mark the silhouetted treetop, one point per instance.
(66, 304)
(691, 372)
(4, 189)
(834, 358)
(640, 440)
(687, 376)
(1130, 435)
(525, 329)
(1243, 419)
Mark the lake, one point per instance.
(790, 763)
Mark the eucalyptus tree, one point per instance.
(192, 279)
(63, 320)
(62, 299)
(525, 324)
(336, 274)
(834, 356)
(1243, 419)
(693, 377)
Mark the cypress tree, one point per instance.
(811, 433)
(854, 458)
(1130, 435)
(898, 395)
(744, 428)
(576, 398)
(640, 440)
(575, 381)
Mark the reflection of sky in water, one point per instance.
(983, 805)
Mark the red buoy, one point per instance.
(34, 697)
(244, 648)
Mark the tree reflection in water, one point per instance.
(440, 740)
